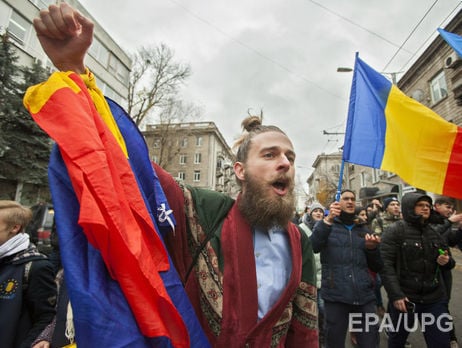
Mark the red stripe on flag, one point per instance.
(452, 183)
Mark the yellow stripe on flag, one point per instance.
(42, 92)
(103, 108)
(422, 154)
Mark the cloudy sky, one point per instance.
(278, 55)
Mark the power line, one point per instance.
(409, 36)
(356, 24)
(424, 44)
(260, 54)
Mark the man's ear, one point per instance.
(239, 170)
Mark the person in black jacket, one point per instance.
(451, 230)
(414, 255)
(348, 251)
(27, 286)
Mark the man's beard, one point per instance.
(263, 209)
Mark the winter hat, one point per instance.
(388, 200)
(316, 206)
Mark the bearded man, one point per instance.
(248, 270)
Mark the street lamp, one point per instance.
(392, 74)
(344, 69)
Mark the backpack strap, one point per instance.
(25, 278)
(305, 229)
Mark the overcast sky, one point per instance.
(278, 55)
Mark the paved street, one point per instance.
(416, 338)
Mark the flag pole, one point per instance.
(340, 180)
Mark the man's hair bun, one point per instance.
(251, 122)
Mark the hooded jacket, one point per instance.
(409, 251)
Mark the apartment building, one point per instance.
(106, 59)
(195, 153)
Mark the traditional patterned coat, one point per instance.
(213, 252)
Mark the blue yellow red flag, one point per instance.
(116, 266)
(388, 130)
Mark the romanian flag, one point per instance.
(454, 40)
(122, 285)
(388, 130)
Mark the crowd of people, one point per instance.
(253, 278)
(411, 241)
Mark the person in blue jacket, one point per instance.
(348, 251)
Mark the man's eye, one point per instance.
(268, 155)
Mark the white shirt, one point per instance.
(273, 266)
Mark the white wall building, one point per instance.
(110, 64)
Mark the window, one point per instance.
(197, 158)
(155, 159)
(197, 175)
(42, 3)
(117, 68)
(182, 175)
(363, 179)
(335, 168)
(198, 141)
(376, 174)
(18, 27)
(183, 159)
(99, 52)
(184, 142)
(438, 88)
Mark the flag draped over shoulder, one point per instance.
(114, 258)
(388, 130)
(453, 40)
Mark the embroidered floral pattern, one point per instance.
(305, 308)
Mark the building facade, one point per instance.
(367, 183)
(195, 153)
(435, 79)
(110, 64)
(323, 181)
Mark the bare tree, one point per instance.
(176, 111)
(154, 81)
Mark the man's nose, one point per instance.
(284, 162)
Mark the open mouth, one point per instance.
(280, 187)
